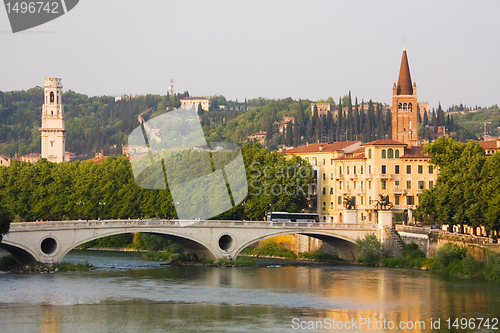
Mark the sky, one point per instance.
(274, 49)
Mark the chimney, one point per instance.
(320, 147)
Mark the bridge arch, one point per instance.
(345, 246)
(21, 253)
(189, 243)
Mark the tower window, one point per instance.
(52, 143)
(405, 107)
(51, 97)
(51, 112)
(400, 106)
(409, 106)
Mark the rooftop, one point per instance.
(320, 147)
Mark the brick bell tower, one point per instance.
(404, 106)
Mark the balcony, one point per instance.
(398, 190)
(355, 176)
(384, 176)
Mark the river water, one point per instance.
(128, 294)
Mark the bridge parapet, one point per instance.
(25, 226)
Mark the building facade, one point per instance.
(396, 168)
(188, 101)
(52, 130)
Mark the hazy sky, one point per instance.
(274, 49)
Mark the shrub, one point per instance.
(273, 249)
(471, 266)
(447, 254)
(370, 250)
(7, 261)
(411, 251)
(317, 255)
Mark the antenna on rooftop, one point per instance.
(171, 86)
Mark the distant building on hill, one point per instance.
(259, 137)
(53, 131)
(5, 160)
(188, 101)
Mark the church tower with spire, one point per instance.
(404, 106)
(53, 131)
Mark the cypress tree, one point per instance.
(440, 115)
(289, 134)
(434, 121)
(426, 119)
(296, 135)
(339, 119)
(356, 119)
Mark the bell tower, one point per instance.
(404, 106)
(53, 132)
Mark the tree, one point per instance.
(5, 219)
(426, 119)
(370, 250)
(200, 110)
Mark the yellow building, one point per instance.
(396, 167)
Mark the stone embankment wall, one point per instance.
(429, 241)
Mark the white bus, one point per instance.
(291, 217)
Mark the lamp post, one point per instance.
(80, 203)
(102, 205)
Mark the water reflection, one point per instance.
(151, 297)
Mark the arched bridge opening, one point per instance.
(21, 255)
(346, 248)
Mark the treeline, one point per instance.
(467, 191)
(86, 190)
(92, 123)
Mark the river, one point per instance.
(128, 294)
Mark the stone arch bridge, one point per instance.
(49, 242)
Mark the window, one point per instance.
(315, 161)
(354, 171)
(52, 143)
(396, 182)
(420, 169)
(361, 169)
(307, 159)
(339, 200)
(408, 169)
(347, 170)
(361, 184)
(354, 186)
(431, 169)
(51, 97)
(396, 169)
(324, 176)
(384, 169)
(409, 106)
(324, 191)
(331, 190)
(331, 175)
(390, 153)
(369, 216)
(340, 169)
(323, 205)
(340, 185)
(420, 184)
(410, 200)
(370, 153)
(347, 183)
(384, 185)
(408, 184)
(324, 161)
(369, 184)
(369, 169)
(384, 154)
(405, 106)
(396, 153)
(361, 200)
(396, 200)
(331, 204)
(431, 184)
(331, 161)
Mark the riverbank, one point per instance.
(9, 265)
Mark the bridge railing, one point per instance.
(184, 223)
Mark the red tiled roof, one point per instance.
(355, 157)
(492, 144)
(384, 143)
(314, 147)
(32, 155)
(404, 81)
(414, 152)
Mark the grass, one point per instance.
(273, 249)
(8, 263)
(317, 255)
